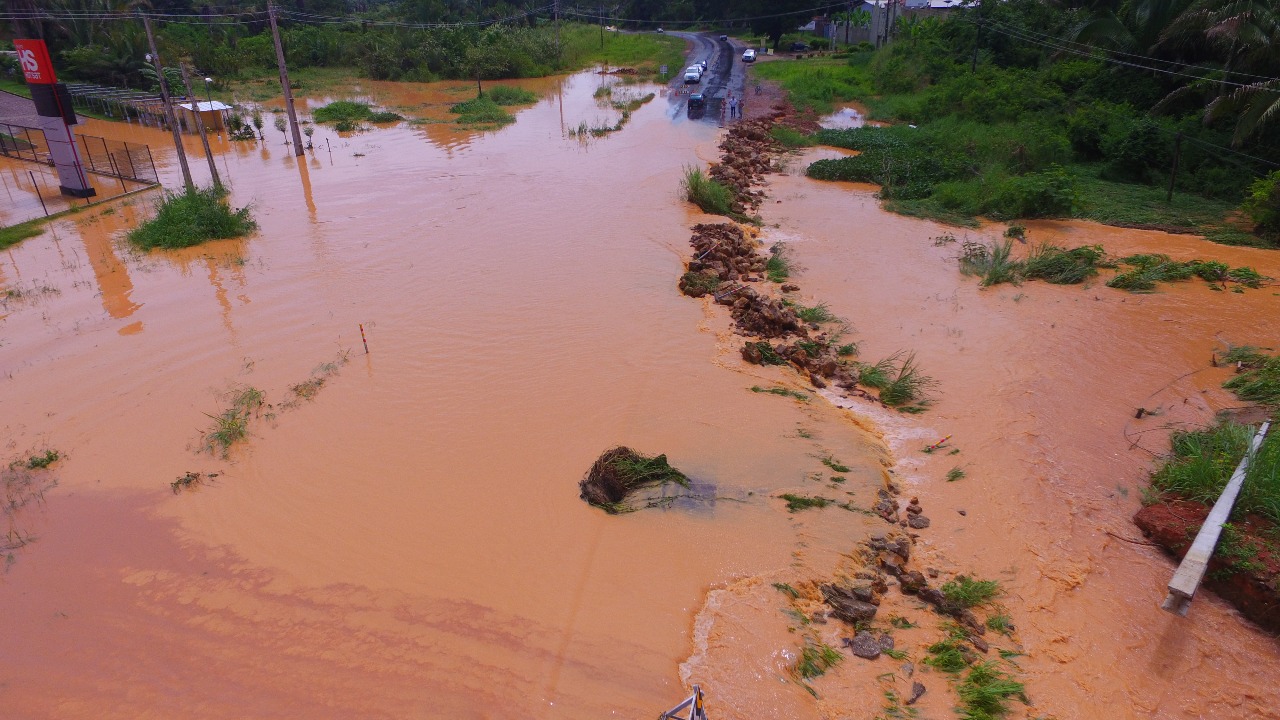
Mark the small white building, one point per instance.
(212, 114)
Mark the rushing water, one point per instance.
(410, 542)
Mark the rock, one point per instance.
(891, 563)
(885, 641)
(933, 572)
(908, 669)
(845, 606)
(962, 512)
(919, 522)
(817, 381)
(864, 645)
(979, 643)
(751, 353)
(912, 582)
(914, 510)
(901, 547)
(790, 287)
(917, 689)
(864, 591)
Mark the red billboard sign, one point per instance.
(34, 58)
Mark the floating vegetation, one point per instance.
(42, 460)
(804, 502)
(815, 660)
(955, 473)
(621, 472)
(1151, 269)
(967, 592)
(787, 590)
(781, 391)
(834, 464)
(309, 388)
(190, 480)
(232, 424)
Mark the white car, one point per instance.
(693, 74)
(748, 55)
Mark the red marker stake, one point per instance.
(366, 342)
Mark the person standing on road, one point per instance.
(733, 106)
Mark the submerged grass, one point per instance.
(40, 461)
(778, 266)
(621, 472)
(955, 473)
(1149, 269)
(901, 383)
(804, 502)
(15, 234)
(232, 424)
(711, 196)
(985, 692)
(510, 95)
(967, 592)
(993, 263)
(481, 111)
(1260, 382)
(781, 391)
(192, 218)
(815, 660)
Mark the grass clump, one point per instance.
(955, 473)
(804, 502)
(619, 473)
(1149, 269)
(993, 263)
(985, 692)
(834, 464)
(1060, 266)
(1260, 382)
(713, 197)
(1000, 623)
(781, 391)
(768, 356)
(787, 590)
(232, 424)
(508, 95)
(816, 314)
(946, 656)
(815, 660)
(42, 460)
(340, 110)
(791, 138)
(901, 383)
(191, 218)
(15, 234)
(967, 592)
(385, 116)
(481, 111)
(1202, 461)
(778, 266)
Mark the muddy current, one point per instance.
(408, 542)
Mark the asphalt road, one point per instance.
(725, 74)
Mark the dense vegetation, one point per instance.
(192, 218)
(1042, 127)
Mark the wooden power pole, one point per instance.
(284, 82)
(204, 137)
(168, 106)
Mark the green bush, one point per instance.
(348, 111)
(1133, 148)
(1263, 205)
(190, 219)
(481, 111)
(711, 196)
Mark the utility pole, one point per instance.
(204, 138)
(168, 106)
(1173, 174)
(557, 14)
(284, 82)
(600, 10)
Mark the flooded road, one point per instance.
(410, 543)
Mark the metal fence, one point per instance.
(115, 158)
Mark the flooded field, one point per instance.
(409, 541)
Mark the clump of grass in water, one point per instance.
(711, 196)
(967, 592)
(946, 656)
(1000, 623)
(901, 383)
(791, 138)
(481, 111)
(232, 424)
(349, 111)
(834, 464)
(1060, 266)
(787, 590)
(815, 660)
(955, 473)
(778, 267)
(43, 460)
(190, 219)
(508, 95)
(768, 356)
(816, 314)
(993, 263)
(1260, 383)
(620, 472)
(781, 391)
(1150, 269)
(985, 692)
(804, 502)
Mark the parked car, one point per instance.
(724, 37)
(697, 106)
(748, 55)
(799, 47)
(659, 30)
(693, 74)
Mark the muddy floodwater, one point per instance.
(408, 541)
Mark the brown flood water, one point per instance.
(410, 543)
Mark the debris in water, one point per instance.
(620, 473)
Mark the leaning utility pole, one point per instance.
(557, 14)
(168, 106)
(284, 82)
(204, 138)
